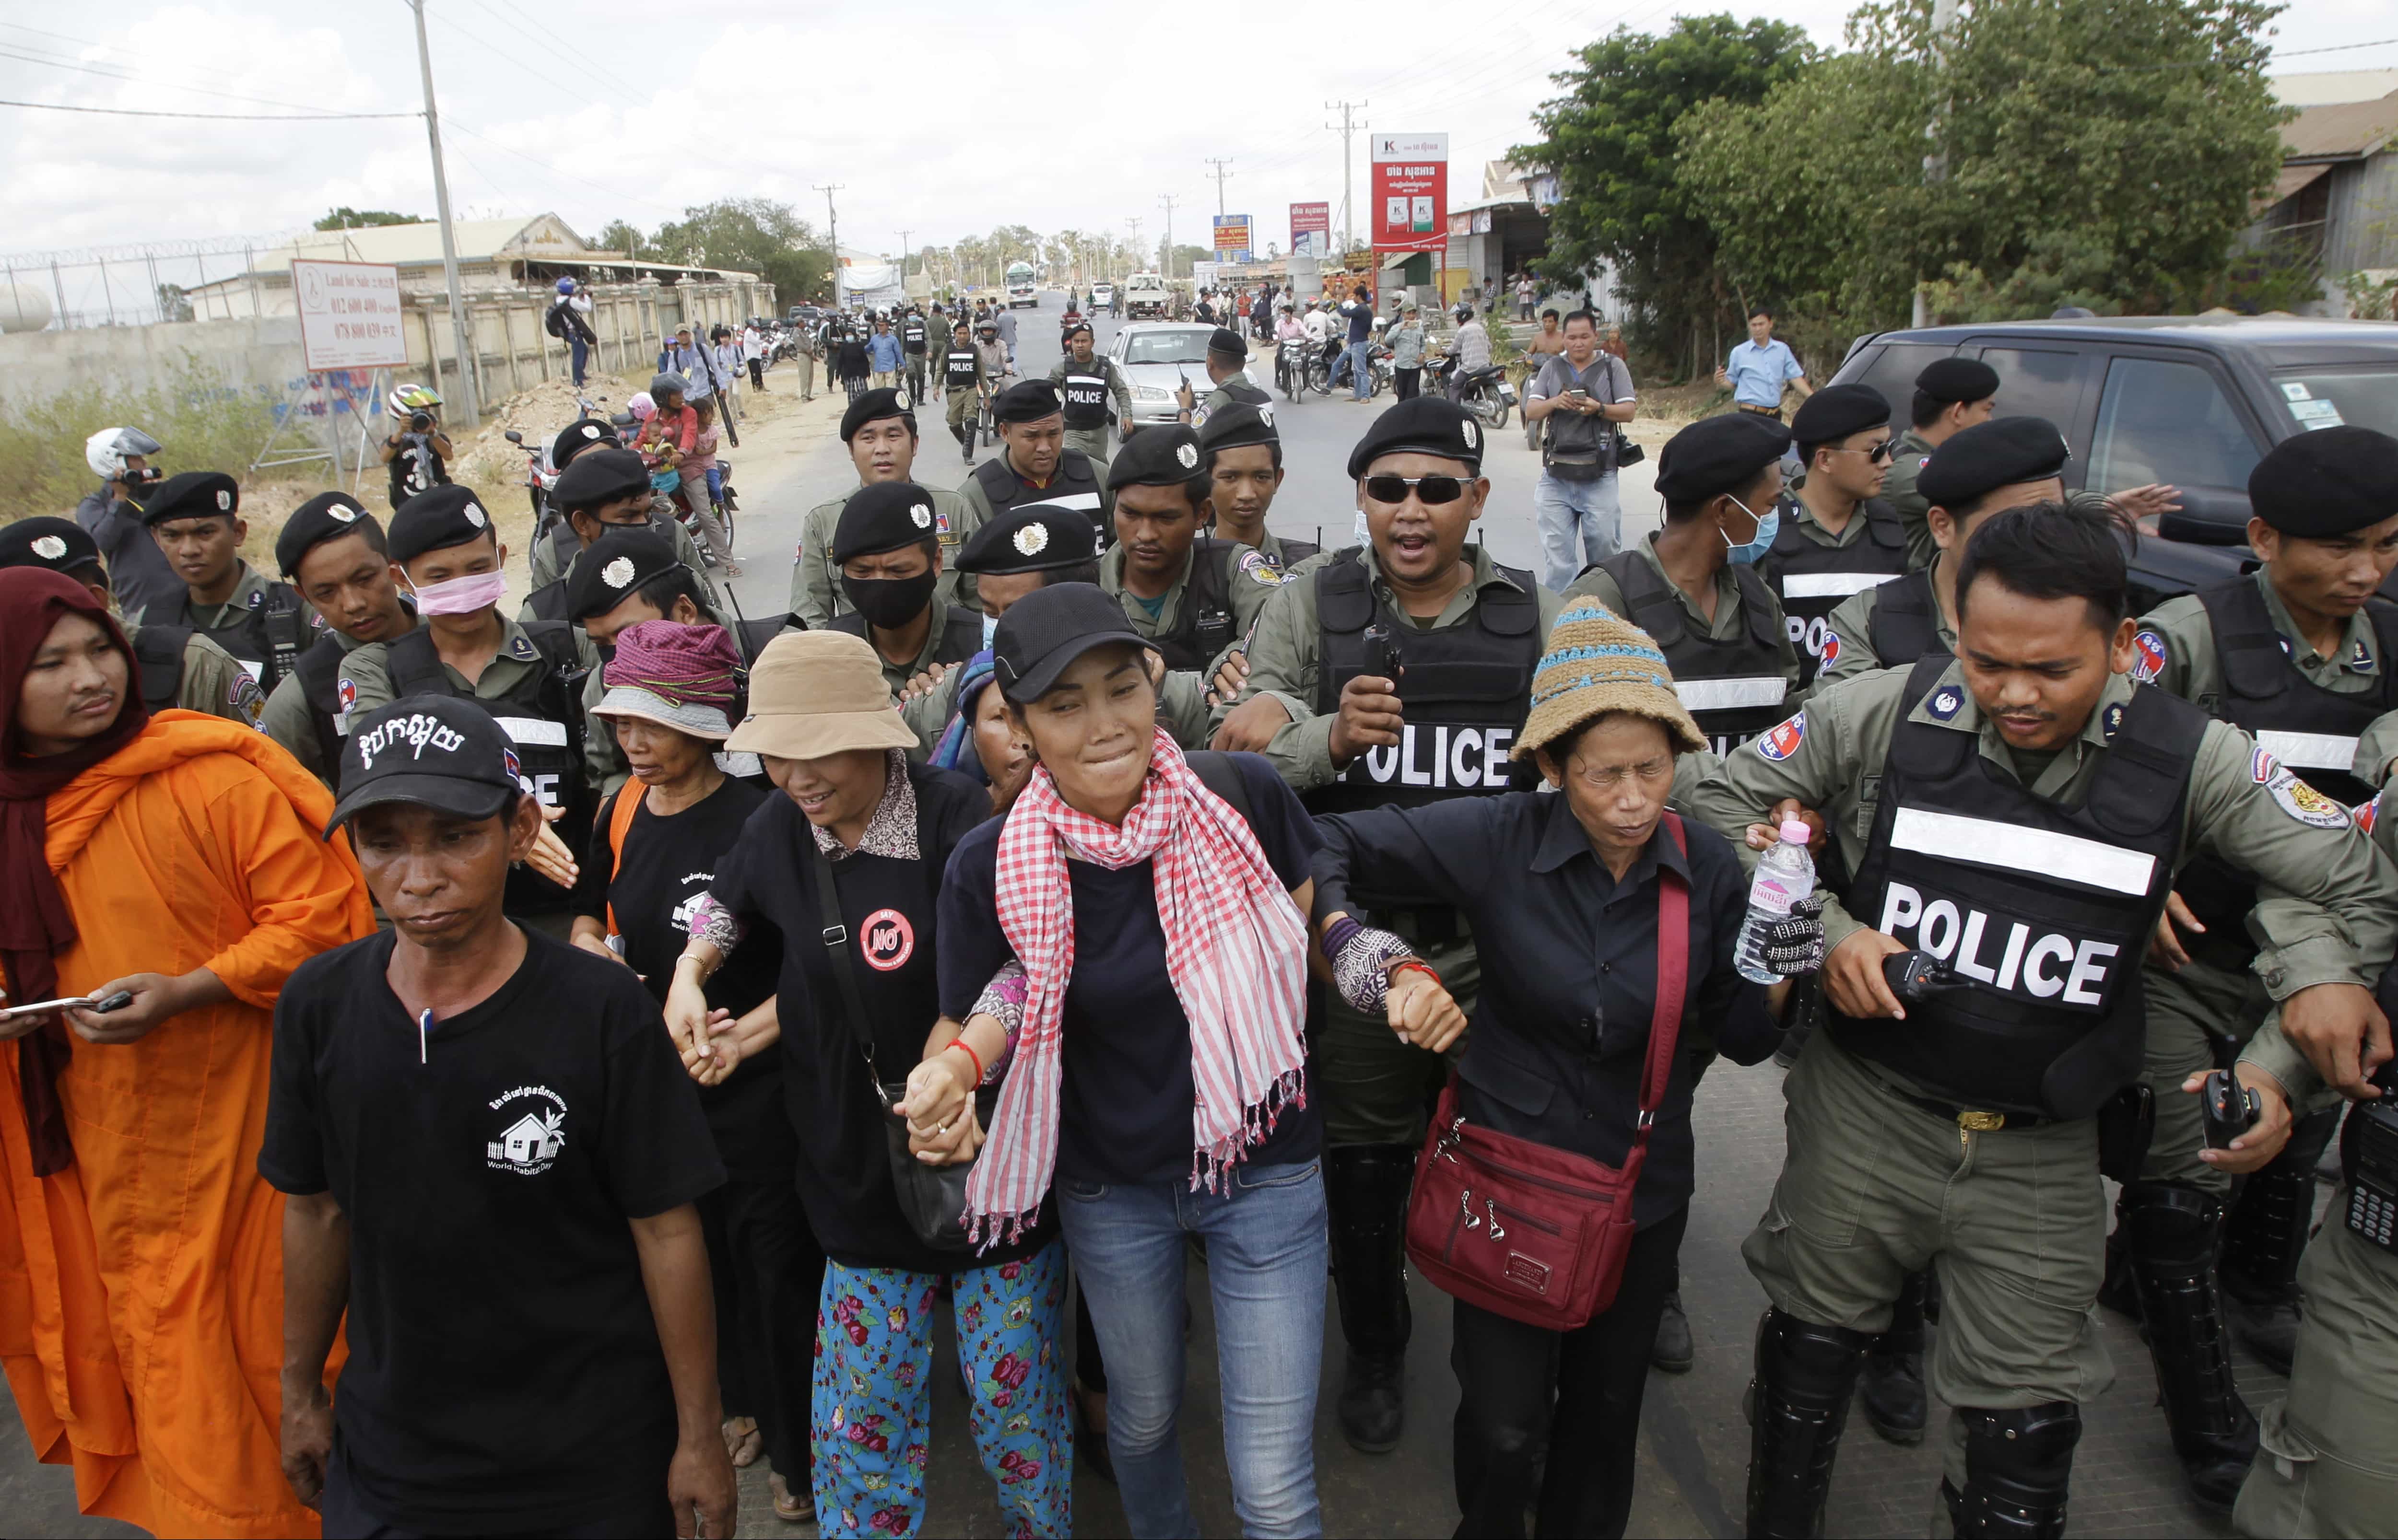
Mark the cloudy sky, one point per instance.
(940, 118)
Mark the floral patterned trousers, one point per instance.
(873, 1393)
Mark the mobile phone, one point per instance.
(1382, 653)
(118, 1001)
(1578, 393)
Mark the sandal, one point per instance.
(790, 1509)
(742, 1440)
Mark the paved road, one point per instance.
(1694, 1444)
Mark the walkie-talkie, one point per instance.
(2368, 1158)
(1918, 975)
(2229, 1108)
(1382, 653)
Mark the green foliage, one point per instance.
(619, 236)
(346, 218)
(753, 235)
(204, 422)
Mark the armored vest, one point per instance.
(1812, 579)
(1732, 687)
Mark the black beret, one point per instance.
(1032, 536)
(1026, 401)
(1990, 455)
(1836, 411)
(619, 561)
(194, 494)
(583, 432)
(1237, 426)
(59, 544)
(2332, 481)
(872, 407)
(888, 516)
(1166, 455)
(600, 476)
(1422, 424)
(1228, 341)
(435, 520)
(1716, 455)
(1958, 379)
(327, 516)
(1077, 328)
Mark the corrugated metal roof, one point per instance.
(2347, 131)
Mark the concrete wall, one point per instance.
(247, 354)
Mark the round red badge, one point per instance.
(887, 940)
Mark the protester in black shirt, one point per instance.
(654, 848)
(853, 813)
(491, 1160)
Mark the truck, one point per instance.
(1022, 291)
(1147, 298)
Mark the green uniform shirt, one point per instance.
(367, 674)
(2325, 878)
(2178, 656)
(1851, 621)
(249, 592)
(290, 722)
(1249, 581)
(1898, 489)
(816, 594)
(979, 511)
(1728, 621)
(1105, 368)
(213, 680)
(1283, 656)
(554, 554)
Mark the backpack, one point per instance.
(555, 322)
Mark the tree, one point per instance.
(752, 235)
(346, 218)
(1610, 140)
(620, 235)
(1179, 260)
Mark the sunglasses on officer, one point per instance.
(1431, 490)
(1880, 454)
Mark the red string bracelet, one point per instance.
(960, 1044)
(1419, 966)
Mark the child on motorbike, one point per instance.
(670, 444)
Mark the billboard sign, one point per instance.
(349, 315)
(1310, 229)
(1232, 243)
(1410, 200)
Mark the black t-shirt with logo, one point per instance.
(890, 909)
(505, 1374)
(667, 864)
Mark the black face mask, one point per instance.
(890, 603)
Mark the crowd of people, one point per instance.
(1083, 885)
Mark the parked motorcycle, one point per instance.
(1486, 393)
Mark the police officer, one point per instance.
(633, 578)
(529, 674)
(2013, 822)
(1837, 538)
(913, 338)
(879, 428)
(603, 487)
(1693, 586)
(2007, 462)
(966, 380)
(1184, 590)
(1034, 463)
(889, 554)
(334, 552)
(2301, 654)
(196, 519)
(1086, 380)
(1244, 471)
(1403, 670)
(1228, 364)
(1952, 395)
(178, 667)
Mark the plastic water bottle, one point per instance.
(1785, 875)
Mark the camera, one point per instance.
(420, 421)
(2368, 1157)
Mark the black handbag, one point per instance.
(931, 1199)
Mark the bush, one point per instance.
(205, 422)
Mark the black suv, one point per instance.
(2194, 401)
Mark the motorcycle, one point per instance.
(1486, 393)
(724, 505)
(541, 477)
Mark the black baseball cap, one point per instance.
(442, 751)
(1048, 629)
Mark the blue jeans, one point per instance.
(1360, 365)
(1265, 1234)
(1580, 522)
(581, 351)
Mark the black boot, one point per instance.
(1673, 1352)
(2171, 1233)
(1892, 1387)
(1798, 1404)
(2117, 1292)
(2018, 1463)
(1365, 1187)
(2264, 1239)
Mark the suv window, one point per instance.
(1892, 370)
(2161, 421)
(2039, 383)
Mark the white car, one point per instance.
(1156, 358)
(1102, 294)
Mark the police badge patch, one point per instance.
(1262, 568)
(2306, 804)
(2111, 721)
(1945, 703)
(2150, 659)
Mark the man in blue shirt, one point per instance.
(882, 353)
(1758, 368)
(1358, 311)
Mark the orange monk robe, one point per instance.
(142, 1288)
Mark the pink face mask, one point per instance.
(462, 595)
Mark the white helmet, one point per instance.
(106, 451)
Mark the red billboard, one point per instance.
(1310, 229)
(1410, 200)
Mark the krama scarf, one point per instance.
(34, 922)
(1236, 949)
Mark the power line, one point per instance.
(6, 51)
(219, 118)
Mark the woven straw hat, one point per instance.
(1595, 662)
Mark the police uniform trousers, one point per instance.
(966, 403)
(1375, 1087)
(805, 362)
(2014, 1220)
(2187, 1010)
(1092, 442)
(2328, 1460)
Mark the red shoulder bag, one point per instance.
(1529, 1231)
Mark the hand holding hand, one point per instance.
(937, 1094)
(1421, 1010)
(549, 855)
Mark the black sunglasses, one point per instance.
(1431, 490)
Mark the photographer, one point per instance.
(138, 570)
(418, 454)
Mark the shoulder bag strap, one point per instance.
(620, 823)
(1673, 986)
(845, 972)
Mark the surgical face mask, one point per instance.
(1768, 525)
(990, 631)
(462, 595)
(890, 603)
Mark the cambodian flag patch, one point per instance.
(2263, 767)
(1831, 648)
(346, 692)
(1783, 741)
(508, 761)
(2369, 814)
(2151, 649)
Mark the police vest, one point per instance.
(319, 670)
(1076, 485)
(1812, 579)
(1237, 388)
(960, 634)
(268, 638)
(2043, 909)
(159, 652)
(1466, 688)
(959, 370)
(1084, 389)
(1904, 625)
(1203, 623)
(1296, 551)
(1732, 687)
(543, 716)
(911, 335)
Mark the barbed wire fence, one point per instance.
(142, 284)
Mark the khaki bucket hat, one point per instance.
(814, 694)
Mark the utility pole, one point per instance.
(832, 220)
(1132, 224)
(459, 335)
(1348, 127)
(1168, 201)
(1935, 159)
(1220, 175)
(903, 262)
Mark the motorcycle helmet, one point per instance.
(566, 286)
(661, 383)
(106, 451)
(642, 407)
(1464, 313)
(413, 398)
